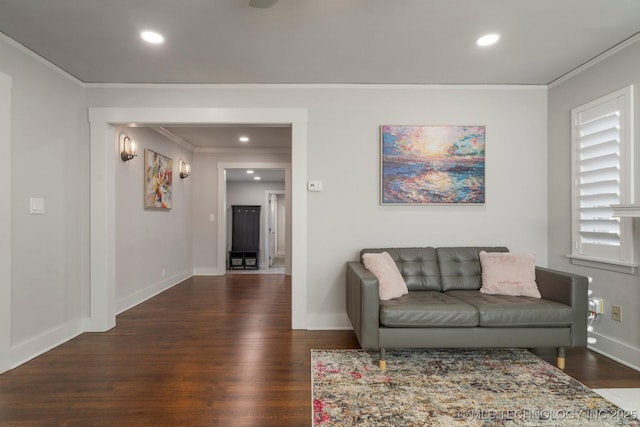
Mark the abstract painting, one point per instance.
(158, 177)
(433, 164)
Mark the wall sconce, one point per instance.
(127, 149)
(185, 169)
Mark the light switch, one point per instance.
(212, 217)
(314, 186)
(36, 206)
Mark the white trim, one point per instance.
(590, 63)
(34, 347)
(230, 150)
(614, 258)
(631, 210)
(329, 321)
(305, 86)
(150, 291)
(603, 264)
(5, 222)
(104, 155)
(173, 137)
(267, 251)
(50, 65)
(207, 272)
(616, 350)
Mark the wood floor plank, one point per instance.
(211, 351)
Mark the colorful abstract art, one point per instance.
(433, 164)
(158, 178)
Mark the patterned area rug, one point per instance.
(452, 388)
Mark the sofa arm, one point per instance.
(363, 304)
(572, 290)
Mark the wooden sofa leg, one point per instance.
(383, 362)
(560, 357)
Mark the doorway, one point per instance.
(276, 230)
(265, 188)
(102, 216)
(281, 184)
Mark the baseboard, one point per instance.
(616, 350)
(25, 351)
(328, 322)
(151, 291)
(207, 272)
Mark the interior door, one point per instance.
(273, 216)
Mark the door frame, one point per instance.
(5, 223)
(104, 154)
(222, 205)
(267, 235)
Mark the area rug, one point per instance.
(452, 388)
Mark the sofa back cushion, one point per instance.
(460, 266)
(418, 266)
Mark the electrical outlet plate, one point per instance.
(616, 313)
(314, 186)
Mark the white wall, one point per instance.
(251, 193)
(153, 247)
(618, 340)
(343, 152)
(49, 160)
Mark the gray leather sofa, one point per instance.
(445, 309)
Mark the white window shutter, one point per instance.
(602, 170)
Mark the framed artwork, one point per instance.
(439, 165)
(158, 178)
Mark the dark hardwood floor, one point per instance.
(211, 351)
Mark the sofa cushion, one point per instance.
(505, 311)
(509, 274)
(460, 266)
(390, 282)
(418, 266)
(420, 309)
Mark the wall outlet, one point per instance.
(616, 313)
(314, 186)
(164, 272)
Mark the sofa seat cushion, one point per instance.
(420, 309)
(505, 311)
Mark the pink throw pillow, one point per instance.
(390, 281)
(504, 273)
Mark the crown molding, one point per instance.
(22, 48)
(173, 137)
(593, 61)
(229, 150)
(305, 86)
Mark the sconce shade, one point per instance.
(185, 169)
(127, 149)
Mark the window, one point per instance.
(602, 138)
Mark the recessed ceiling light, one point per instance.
(249, 171)
(488, 40)
(243, 139)
(257, 178)
(152, 37)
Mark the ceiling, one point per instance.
(314, 42)
(266, 175)
(320, 41)
(227, 137)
